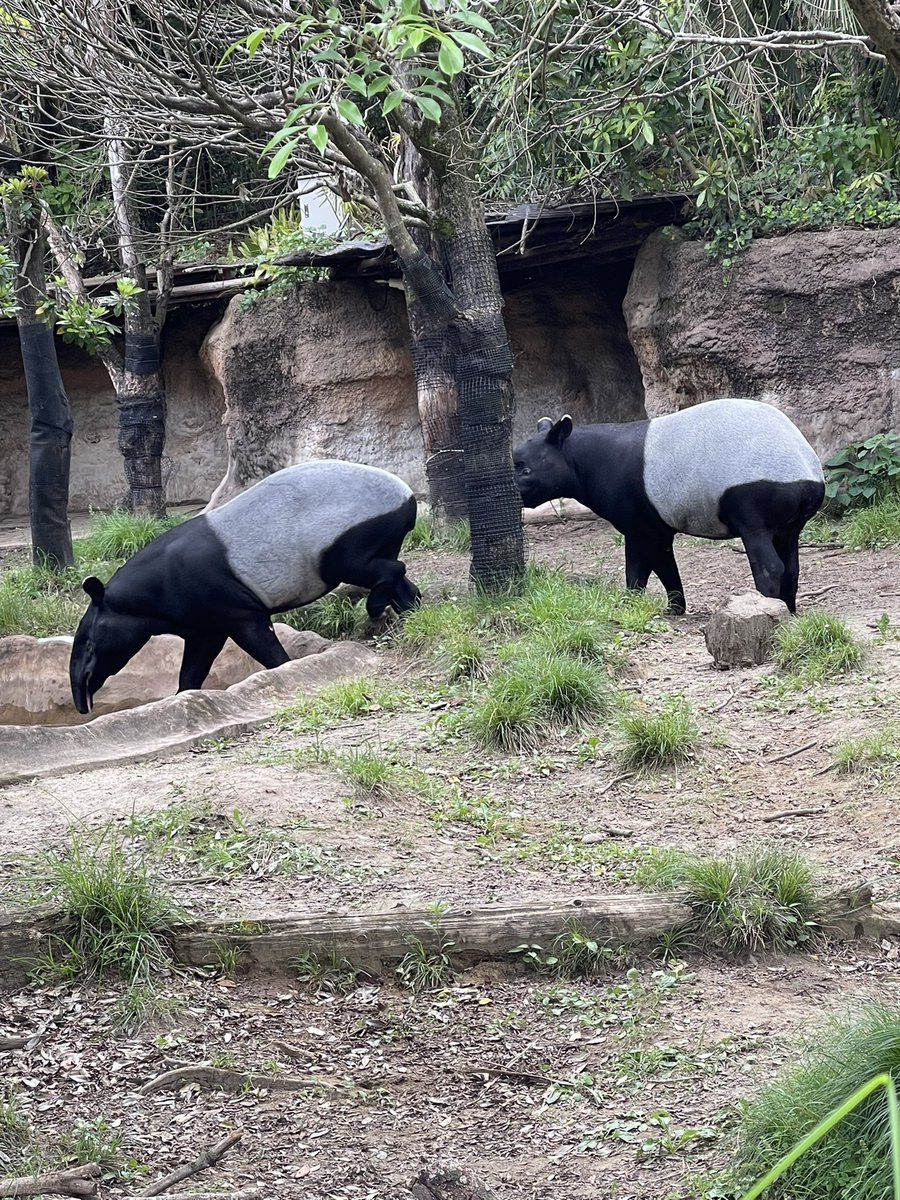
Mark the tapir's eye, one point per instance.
(521, 469)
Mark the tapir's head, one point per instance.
(104, 642)
(543, 470)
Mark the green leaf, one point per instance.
(647, 131)
(450, 58)
(281, 28)
(429, 108)
(318, 135)
(350, 112)
(357, 84)
(472, 42)
(378, 85)
(476, 20)
(276, 138)
(276, 166)
(254, 41)
(391, 101)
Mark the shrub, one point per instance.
(864, 472)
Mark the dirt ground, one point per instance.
(620, 1086)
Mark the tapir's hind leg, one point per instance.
(366, 556)
(256, 636)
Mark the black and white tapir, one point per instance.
(284, 542)
(726, 468)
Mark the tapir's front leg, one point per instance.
(200, 652)
(256, 636)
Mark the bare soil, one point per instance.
(589, 1063)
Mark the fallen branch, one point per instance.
(820, 592)
(793, 812)
(208, 1158)
(794, 753)
(607, 787)
(220, 1079)
(449, 1183)
(719, 707)
(77, 1181)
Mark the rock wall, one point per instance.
(324, 370)
(195, 446)
(809, 322)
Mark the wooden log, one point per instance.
(377, 941)
(77, 1181)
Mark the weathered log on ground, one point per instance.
(77, 1181)
(377, 941)
(449, 1183)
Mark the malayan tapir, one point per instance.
(285, 541)
(722, 469)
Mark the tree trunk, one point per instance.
(483, 369)
(140, 390)
(881, 21)
(51, 418)
(433, 362)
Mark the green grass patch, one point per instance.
(562, 849)
(15, 1128)
(875, 527)
(574, 954)
(120, 534)
(854, 1158)
(652, 740)
(328, 973)
(116, 916)
(336, 617)
(536, 693)
(766, 898)
(337, 701)
(143, 1005)
(491, 821)
(814, 647)
(423, 969)
(878, 754)
(424, 536)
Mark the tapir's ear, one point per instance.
(94, 588)
(544, 424)
(560, 431)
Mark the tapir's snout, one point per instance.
(80, 674)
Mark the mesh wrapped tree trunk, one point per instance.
(142, 424)
(48, 404)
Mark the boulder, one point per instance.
(808, 322)
(740, 634)
(34, 675)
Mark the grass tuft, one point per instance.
(763, 899)
(424, 970)
(336, 617)
(653, 740)
(335, 702)
(142, 1005)
(875, 527)
(854, 1158)
(816, 646)
(331, 974)
(116, 916)
(120, 534)
(878, 754)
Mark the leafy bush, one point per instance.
(864, 472)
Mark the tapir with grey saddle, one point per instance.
(723, 469)
(284, 542)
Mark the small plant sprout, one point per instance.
(372, 776)
(424, 970)
(652, 740)
(226, 959)
(330, 973)
(143, 1005)
(877, 755)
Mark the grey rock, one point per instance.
(741, 633)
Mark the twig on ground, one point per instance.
(607, 787)
(77, 1181)
(793, 753)
(820, 592)
(793, 812)
(719, 707)
(222, 1080)
(208, 1158)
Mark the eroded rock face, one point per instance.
(34, 675)
(740, 634)
(809, 322)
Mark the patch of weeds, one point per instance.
(819, 529)
(98, 1142)
(627, 1009)
(329, 973)
(335, 616)
(224, 1059)
(573, 954)
(424, 970)
(116, 917)
(815, 646)
(652, 1134)
(558, 847)
(335, 702)
(141, 1005)
(875, 527)
(43, 603)
(422, 536)
(764, 898)
(372, 776)
(854, 1158)
(226, 959)
(491, 820)
(877, 755)
(120, 534)
(536, 693)
(15, 1128)
(652, 740)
